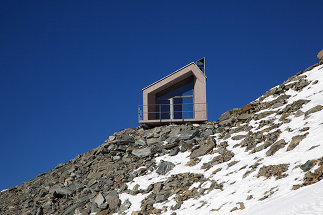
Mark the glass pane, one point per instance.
(188, 108)
(178, 108)
(163, 109)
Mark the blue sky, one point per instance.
(71, 72)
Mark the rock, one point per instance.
(207, 133)
(104, 206)
(187, 145)
(277, 105)
(273, 170)
(40, 211)
(246, 108)
(104, 212)
(99, 199)
(238, 137)
(187, 134)
(125, 206)
(275, 147)
(79, 204)
(244, 116)
(164, 167)
(140, 142)
(60, 192)
(227, 114)
(299, 113)
(144, 152)
(113, 200)
(205, 147)
(227, 122)
(295, 141)
(307, 166)
(161, 198)
(151, 141)
(174, 151)
(314, 109)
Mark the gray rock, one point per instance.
(164, 167)
(113, 200)
(123, 139)
(144, 152)
(99, 199)
(79, 204)
(227, 114)
(275, 147)
(125, 206)
(244, 116)
(153, 140)
(104, 206)
(187, 145)
(187, 134)
(207, 133)
(205, 147)
(140, 142)
(238, 137)
(299, 113)
(60, 192)
(277, 105)
(160, 198)
(314, 109)
(174, 151)
(307, 166)
(227, 122)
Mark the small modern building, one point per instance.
(177, 98)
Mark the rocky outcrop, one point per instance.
(108, 179)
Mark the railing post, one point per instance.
(159, 111)
(182, 110)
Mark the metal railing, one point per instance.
(172, 111)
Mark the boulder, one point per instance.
(113, 200)
(174, 151)
(143, 152)
(295, 141)
(307, 166)
(187, 134)
(205, 147)
(60, 192)
(314, 109)
(125, 206)
(227, 114)
(164, 167)
(161, 198)
(275, 147)
(99, 199)
(244, 116)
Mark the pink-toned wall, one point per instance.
(149, 93)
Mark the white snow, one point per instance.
(306, 200)
(281, 199)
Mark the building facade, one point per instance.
(177, 98)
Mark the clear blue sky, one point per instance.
(71, 72)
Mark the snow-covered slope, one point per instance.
(241, 191)
(264, 158)
(305, 201)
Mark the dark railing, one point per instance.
(171, 111)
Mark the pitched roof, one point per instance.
(173, 74)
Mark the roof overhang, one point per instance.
(190, 64)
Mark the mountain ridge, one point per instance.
(251, 155)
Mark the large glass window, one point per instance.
(176, 103)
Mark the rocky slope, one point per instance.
(264, 150)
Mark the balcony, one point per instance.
(157, 114)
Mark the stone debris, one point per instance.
(96, 181)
